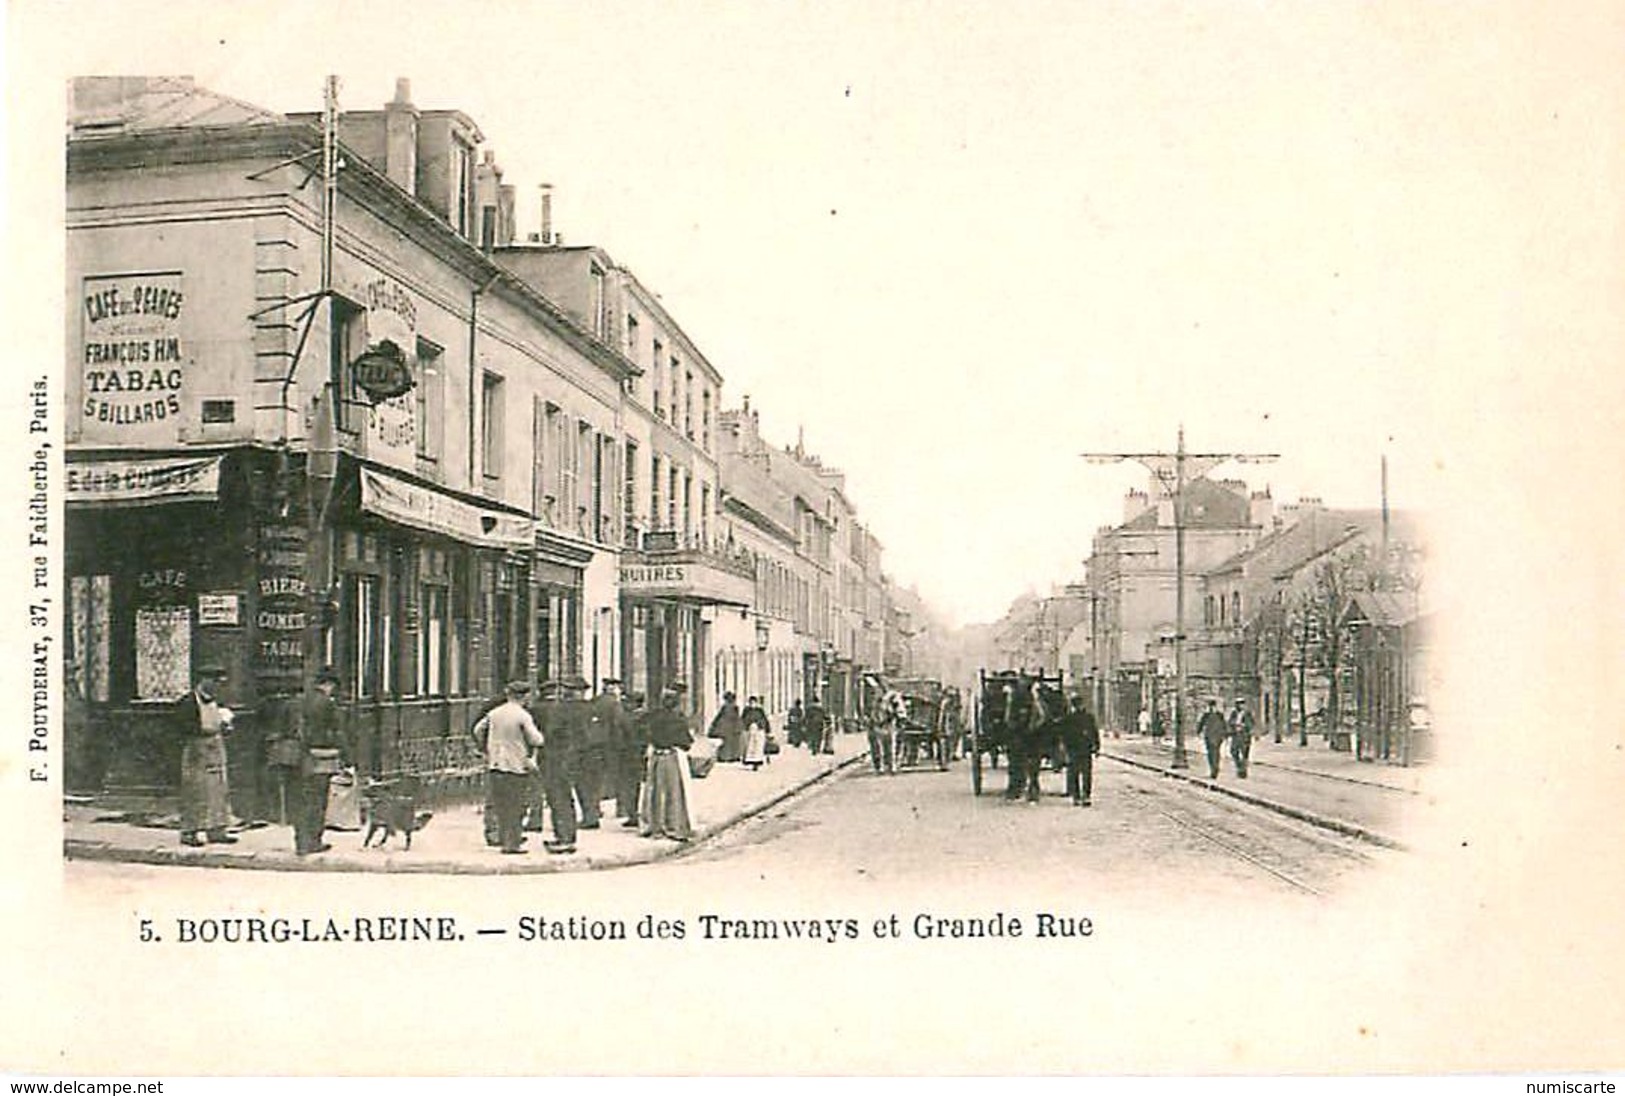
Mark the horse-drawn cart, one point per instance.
(921, 732)
(1004, 711)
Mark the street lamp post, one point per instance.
(1173, 471)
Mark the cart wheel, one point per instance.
(942, 753)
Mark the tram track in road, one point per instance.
(1290, 851)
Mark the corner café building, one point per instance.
(233, 498)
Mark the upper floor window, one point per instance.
(462, 162)
(629, 498)
(491, 423)
(431, 400)
(656, 384)
(600, 305)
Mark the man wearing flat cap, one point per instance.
(566, 731)
(511, 739)
(1241, 736)
(202, 722)
(603, 717)
(324, 750)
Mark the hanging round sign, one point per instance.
(382, 371)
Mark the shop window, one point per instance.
(431, 400)
(163, 652)
(90, 628)
(365, 652)
(458, 641)
(432, 630)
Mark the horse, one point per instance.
(1035, 727)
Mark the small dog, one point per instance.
(392, 806)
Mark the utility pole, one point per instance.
(1173, 471)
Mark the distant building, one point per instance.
(1132, 590)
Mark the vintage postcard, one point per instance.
(880, 539)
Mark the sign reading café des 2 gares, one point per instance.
(135, 370)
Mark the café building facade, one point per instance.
(284, 455)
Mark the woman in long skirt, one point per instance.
(665, 810)
(755, 721)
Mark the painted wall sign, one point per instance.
(283, 607)
(384, 371)
(134, 356)
(183, 479)
(219, 609)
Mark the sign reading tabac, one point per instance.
(134, 357)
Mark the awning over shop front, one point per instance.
(142, 480)
(437, 512)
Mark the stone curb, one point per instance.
(1334, 776)
(1325, 822)
(181, 856)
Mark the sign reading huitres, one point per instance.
(134, 357)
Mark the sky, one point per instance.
(958, 245)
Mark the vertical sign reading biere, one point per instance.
(134, 365)
(279, 620)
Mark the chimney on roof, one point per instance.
(1135, 503)
(1261, 510)
(547, 214)
(401, 138)
(488, 200)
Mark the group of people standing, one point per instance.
(554, 761)
(306, 749)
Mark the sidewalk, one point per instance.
(454, 840)
(1312, 783)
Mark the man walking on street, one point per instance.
(813, 722)
(509, 736)
(1081, 737)
(1213, 730)
(1241, 736)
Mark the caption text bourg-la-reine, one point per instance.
(543, 928)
